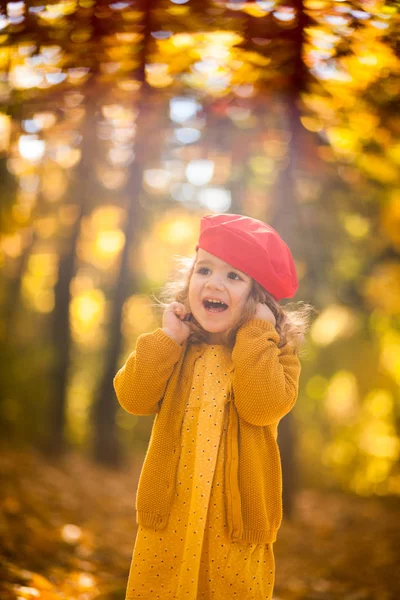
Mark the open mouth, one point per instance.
(215, 306)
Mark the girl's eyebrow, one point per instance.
(204, 262)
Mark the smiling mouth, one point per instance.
(214, 307)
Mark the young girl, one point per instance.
(219, 374)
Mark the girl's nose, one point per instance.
(215, 283)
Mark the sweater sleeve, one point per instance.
(140, 384)
(265, 377)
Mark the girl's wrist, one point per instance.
(171, 335)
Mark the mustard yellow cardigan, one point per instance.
(156, 378)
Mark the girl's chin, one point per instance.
(212, 322)
(213, 317)
(213, 327)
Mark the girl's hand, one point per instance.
(264, 312)
(173, 322)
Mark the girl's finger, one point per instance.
(177, 306)
(174, 307)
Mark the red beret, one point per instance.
(252, 247)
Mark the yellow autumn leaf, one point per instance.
(41, 582)
(378, 167)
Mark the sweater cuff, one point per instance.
(257, 327)
(268, 326)
(260, 323)
(166, 341)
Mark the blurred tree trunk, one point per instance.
(287, 221)
(62, 341)
(105, 439)
(61, 328)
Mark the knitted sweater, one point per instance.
(156, 378)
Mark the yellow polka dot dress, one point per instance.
(193, 557)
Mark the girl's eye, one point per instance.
(235, 275)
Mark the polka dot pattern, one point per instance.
(193, 557)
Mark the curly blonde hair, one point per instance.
(293, 319)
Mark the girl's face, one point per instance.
(214, 279)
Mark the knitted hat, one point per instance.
(252, 247)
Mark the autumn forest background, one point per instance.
(121, 124)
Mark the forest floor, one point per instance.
(67, 530)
